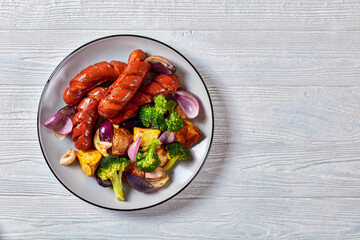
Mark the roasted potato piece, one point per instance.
(188, 135)
(102, 147)
(122, 139)
(147, 135)
(89, 160)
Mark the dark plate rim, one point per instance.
(115, 36)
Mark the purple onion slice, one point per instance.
(105, 183)
(109, 151)
(106, 131)
(188, 103)
(133, 149)
(160, 65)
(167, 137)
(138, 183)
(59, 123)
(68, 111)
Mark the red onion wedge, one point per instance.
(106, 131)
(138, 183)
(133, 149)
(109, 151)
(59, 123)
(68, 111)
(167, 137)
(105, 183)
(188, 103)
(160, 65)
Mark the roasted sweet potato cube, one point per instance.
(89, 161)
(188, 135)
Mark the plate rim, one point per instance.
(115, 36)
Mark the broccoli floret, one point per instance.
(147, 158)
(176, 151)
(171, 104)
(160, 104)
(161, 115)
(112, 167)
(148, 115)
(174, 123)
(160, 124)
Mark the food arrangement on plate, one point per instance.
(130, 122)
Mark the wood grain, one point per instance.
(178, 15)
(284, 80)
(234, 58)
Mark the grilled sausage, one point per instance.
(132, 108)
(162, 84)
(91, 77)
(85, 118)
(125, 87)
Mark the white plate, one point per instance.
(109, 48)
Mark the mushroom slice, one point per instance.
(161, 152)
(160, 182)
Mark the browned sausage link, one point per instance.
(123, 89)
(162, 84)
(85, 118)
(91, 77)
(132, 108)
(137, 56)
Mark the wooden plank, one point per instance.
(224, 218)
(282, 142)
(244, 114)
(253, 171)
(179, 15)
(227, 59)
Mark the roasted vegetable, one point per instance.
(188, 103)
(112, 167)
(179, 111)
(160, 65)
(89, 160)
(101, 146)
(106, 131)
(175, 151)
(159, 182)
(150, 118)
(147, 159)
(171, 105)
(161, 152)
(139, 184)
(161, 115)
(122, 139)
(174, 123)
(146, 134)
(188, 135)
(68, 157)
(160, 104)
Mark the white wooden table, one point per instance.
(284, 78)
